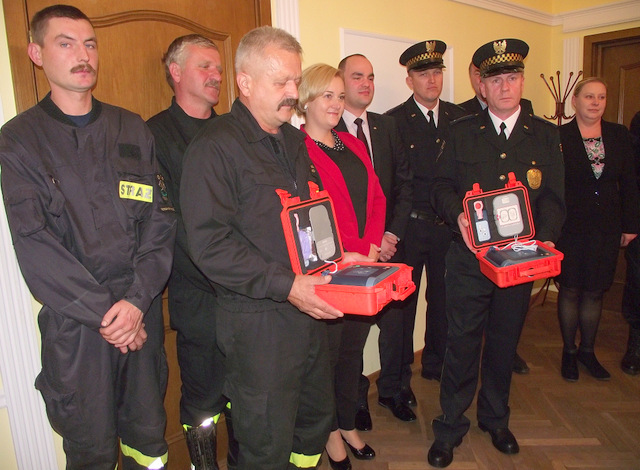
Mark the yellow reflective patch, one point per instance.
(136, 191)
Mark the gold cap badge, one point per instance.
(500, 47)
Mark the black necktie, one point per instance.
(432, 121)
(360, 135)
(503, 134)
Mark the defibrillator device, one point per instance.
(501, 229)
(315, 248)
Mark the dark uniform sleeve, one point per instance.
(155, 241)
(550, 210)
(54, 276)
(210, 194)
(444, 188)
(402, 186)
(628, 187)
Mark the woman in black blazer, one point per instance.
(603, 214)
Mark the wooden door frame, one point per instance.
(23, 71)
(593, 45)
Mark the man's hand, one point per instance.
(388, 247)
(627, 238)
(121, 324)
(303, 296)
(463, 225)
(137, 342)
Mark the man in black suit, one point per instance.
(423, 121)
(381, 138)
(476, 105)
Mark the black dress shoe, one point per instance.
(399, 410)
(366, 453)
(363, 419)
(502, 439)
(569, 367)
(430, 375)
(407, 397)
(441, 453)
(519, 365)
(344, 464)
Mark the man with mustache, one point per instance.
(193, 68)
(94, 239)
(276, 353)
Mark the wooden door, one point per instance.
(615, 57)
(132, 37)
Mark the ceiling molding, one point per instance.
(576, 20)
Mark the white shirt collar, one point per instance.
(510, 122)
(425, 110)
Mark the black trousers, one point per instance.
(94, 394)
(192, 315)
(347, 337)
(477, 309)
(424, 246)
(279, 384)
(631, 295)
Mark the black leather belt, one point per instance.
(426, 216)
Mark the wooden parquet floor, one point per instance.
(559, 425)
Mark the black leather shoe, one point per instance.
(502, 439)
(407, 397)
(366, 453)
(430, 375)
(569, 369)
(363, 419)
(344, 464)
(441, 453)
(589, 360)
(631, 361)
(399, 410)
(519, 365)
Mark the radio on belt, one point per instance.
(501, 229)
(315, 248)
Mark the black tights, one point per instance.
(577, 307)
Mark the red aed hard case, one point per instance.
(497, 218)
(315, 248)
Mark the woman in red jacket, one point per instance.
(347, 173)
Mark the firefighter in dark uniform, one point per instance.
(483, 148)
(93, 232)
(194, 71)
(276, 350)
(423, 122)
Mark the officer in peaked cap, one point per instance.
(424, 55)
(484, 148)
(501, 56)
(423, 122)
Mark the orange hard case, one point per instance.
(488, 229)
(315, 248)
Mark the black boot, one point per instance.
(201, 442)
(569, 369)
(589, 360)
(631, 360)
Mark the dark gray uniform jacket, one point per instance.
(235, 235)
(82, 246)
(473, 155)
(422, 145)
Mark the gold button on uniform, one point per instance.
(502, 177)
(503, 155)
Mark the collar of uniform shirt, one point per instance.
(425, 110)
(510, 122)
